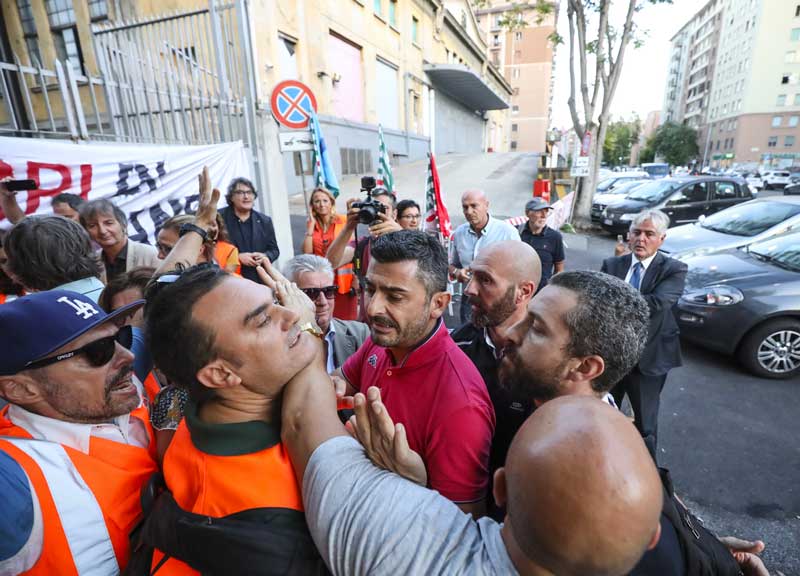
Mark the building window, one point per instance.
(98, 10)
(495, 39)
(515, 91)
(393, 13)
(287, 54)
(517, 35)
(377, 7)
(29, 31)
(515, 73)
(65, 33)
(513, 144)
(356, 160)
(718, 143)
(797, 99)
(514, 109)
(795, 34)
(514, 127)
(793, 121)
(772, 142)
(785, 79)
(788, 141)
(781, 100)
(776, 121)
(797, 11)
(414, 30)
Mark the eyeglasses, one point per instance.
(98, 353)
(313, 293)
(243, 193)
(410, 217)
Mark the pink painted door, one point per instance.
(347, 71)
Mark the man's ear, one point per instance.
(500, 489)
(20, 389)
(439, 302)
(587, 369)
(526, 290)
(656, 537)
(218, 374)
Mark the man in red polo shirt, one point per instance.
(426, 381)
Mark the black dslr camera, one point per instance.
(368, 209)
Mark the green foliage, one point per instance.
(676, 143)
(568, 228)
(620, 137)
(648, 153)
(513, 19)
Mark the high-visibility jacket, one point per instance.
(344, 274)
(223, 252)
(223, 485)
(151, 387)
(89, 502)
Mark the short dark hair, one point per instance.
(7, 285)
(102, 206)
(47, 251)
(380, 191)
(136, 278)
(181, 346)
(235, 182)
(610, 320)
(424, 249)
(404, 205)
(73, 200)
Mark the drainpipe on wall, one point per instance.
(408, 114)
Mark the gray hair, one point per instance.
(306, 263)
(610, 320)
(657, 217)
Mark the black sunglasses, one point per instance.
(313, 293)
(98, 352)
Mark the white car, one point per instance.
(754, 179)
(775, 179)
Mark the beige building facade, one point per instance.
(524, 54)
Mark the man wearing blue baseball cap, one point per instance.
(77, 427)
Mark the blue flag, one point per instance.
(324, 176)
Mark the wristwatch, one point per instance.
(312, 329)
(189, 227)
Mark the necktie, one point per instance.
(636, 276)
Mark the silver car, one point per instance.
(734, 227)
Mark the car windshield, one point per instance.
(606, 184)
(656, 169)
(783, 251)
(750, 218)
(653, 191)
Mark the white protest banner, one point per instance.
(149, 183)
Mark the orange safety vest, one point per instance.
(89, 502)
(223, 485)
(151, 387)
(223, 252)
(344, 274)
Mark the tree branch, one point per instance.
(600, 61)
(576, 122)
(614, 72)
(580, 26)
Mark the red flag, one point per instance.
(437, 220)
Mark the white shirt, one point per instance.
(122, 429)
(645, 263)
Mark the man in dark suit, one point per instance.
(249, 230)
(660, 280)
(314, 276)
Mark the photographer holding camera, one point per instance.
(377, 212)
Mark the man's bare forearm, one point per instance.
(11, 208)
(336, 251)
(309, 415)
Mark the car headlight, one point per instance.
(715, 296)
(627, 217)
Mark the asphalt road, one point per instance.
(731, 441)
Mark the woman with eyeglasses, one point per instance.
(249, 230)
(322, 227)
(408, 214)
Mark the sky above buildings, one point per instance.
(644, 71)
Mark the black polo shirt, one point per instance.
(549, 245)
(510, 411)
(118, 266)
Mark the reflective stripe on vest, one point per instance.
(79, 513)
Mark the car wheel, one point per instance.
(772, 350)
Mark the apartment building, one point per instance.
(740, 85)
(518, 39)
(420, 68)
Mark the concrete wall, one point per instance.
(458, 130)
(343, 134)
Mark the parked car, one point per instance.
(746, 302)
(775, 179)
(753, 179)
(791, 189)
(684, 200)
(612, 182)
(734, 227)
(656, 169)
(601, 201)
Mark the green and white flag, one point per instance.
(385, 177)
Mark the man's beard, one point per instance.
(409, 336)
(496, 314)
(526, 383)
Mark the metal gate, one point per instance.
(186, 77)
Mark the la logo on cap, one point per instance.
(84, 309)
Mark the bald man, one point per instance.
(505, 276)
(479, 230)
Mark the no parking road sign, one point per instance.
(292, 104)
